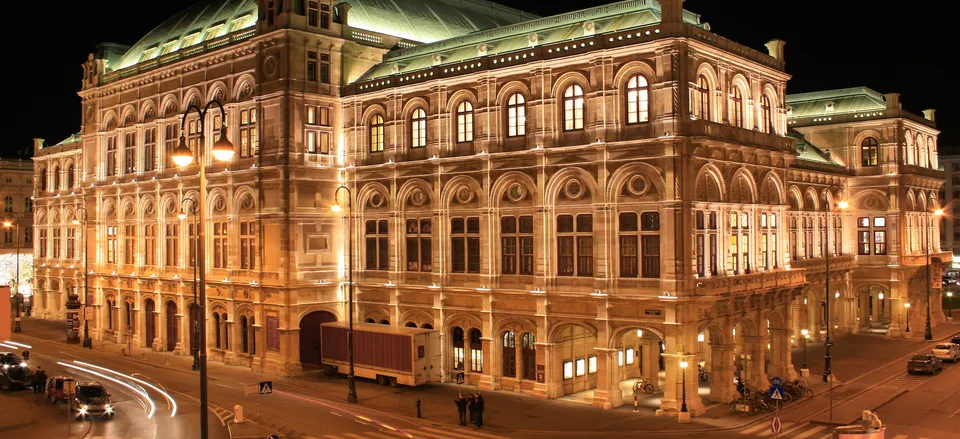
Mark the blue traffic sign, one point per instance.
(266, 387)
(776, 393)
(776, 382)
(460, 378)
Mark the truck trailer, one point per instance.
(389, 354)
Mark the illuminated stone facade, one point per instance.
(557, 197)
(16, 205)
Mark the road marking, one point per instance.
(336, 414)
(810, 432)
(954, 414)
(769, 432)
(755, 428)
(447, 434)
(900, 436)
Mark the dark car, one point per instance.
(924, 363)
(90, 400)
(955, 339)
(14, 373)
(57, 388)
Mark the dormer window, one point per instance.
(212, 32)
(829, 106)
(149, 53)
(168, 47)
(237, 23)
(190, 39)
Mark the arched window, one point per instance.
(426, 326)
(766, 114)
(529, 353)
(376, 133)
(573, 108)
(465, 122)
(458, 348)
(369, 320)
(56, 178)
(384, 322)
(516, 116)
(411, 325)
(7, 204)
(737, 111)
(916, 152)
(244, 347)
(869, 152)
(638, 99)
(476, 351)
(28, 204)
(701, 95)
(509, 354)
(418, 128)
(43, 179)
(71, 172)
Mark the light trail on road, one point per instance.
(8, 346)
(166, 395)
(145, 395)
(19, 344)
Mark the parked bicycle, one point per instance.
(703, 374)
(643, 385)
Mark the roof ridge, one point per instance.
(835, 93)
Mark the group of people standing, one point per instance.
(473, 403)
(39, 380)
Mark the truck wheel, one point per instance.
(393, 381)
(382, 380)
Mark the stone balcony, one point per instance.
(750, 282)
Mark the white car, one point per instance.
(947, 351)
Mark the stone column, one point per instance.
(673, 396)
(722, 387)
(492, 364)
(780, 353)
(550, 358)
(608, 393)
(650, 361)
(755, 365)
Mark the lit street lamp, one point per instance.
(195, 323)
(950, 304)
(17, 297)
(683, 371)
(183, 156)
(87, 342)
(826, 309)
(907, 305)
(351, 384)
(928, 334)
(806, 335)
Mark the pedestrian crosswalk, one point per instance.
(791, 430)
(418, 433)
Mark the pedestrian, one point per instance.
(472, 406)
(478, 417)
(39, 380)
(461, 408)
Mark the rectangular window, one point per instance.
(567, 370)
(377, 244)
(325, 16)
(150, 244)
(863, 242)
(581, 367)
(111, 168)
(248, 245)
(248, 133)
(313, 13)
(193, 137)
(111, 243)
(130, 152)
(43, 243)
(575, 245)
(324, 68)
(592, 364)
(630, 358)
(170, 139)
(172, 249)
(419, 245)
(465, 244)
(71, 240)
(516, 252)
(312, 66)
(220, 248)
(149, 149)
(879, 242)
(56, 243)
(130, 244)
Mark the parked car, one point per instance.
(955, 340)
(924, 363)
(91, 399)
(947, 351)
(57, 388)
(14, 373)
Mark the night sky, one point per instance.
(838, 44)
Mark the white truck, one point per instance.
(389, 354)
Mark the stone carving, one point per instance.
(376, 200)
(220, 205)
(246, 203)
(418, 198)
(464, 195)
(573, 189)
(516, 192)
(637, 185)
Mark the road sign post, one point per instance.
(776, 424)
(266, 388)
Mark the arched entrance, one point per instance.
(636, 353)
(717, 359)
(150, 318)
(749, 353)
(576, 359)
(310, 338)
(171, 316)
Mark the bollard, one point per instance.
(636, 404)
(418, 408)
(238, 413)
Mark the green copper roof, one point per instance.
(427, 21)
(563, 27)
(844, 101)
(72, 139)
(203, 21)
(806, 150)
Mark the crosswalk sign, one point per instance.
(266, 387)
(459, 377)
(776, 393)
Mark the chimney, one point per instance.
(775, 48)
(930, 114)
(343, 12)
(893, 101)
(671, 11)
(37, 144)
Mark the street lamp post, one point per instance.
(195, 323)
(928, 334)
(806, 334)
(16, 295)
(87, 342)
(907, 305)
(826, 309)
(950, 304)
(351, 384)
(683, 372)
(183, 156)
